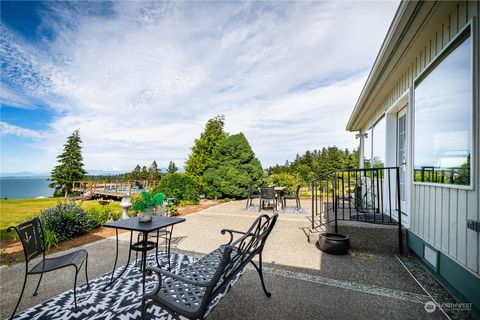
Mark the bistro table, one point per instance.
(132, 224)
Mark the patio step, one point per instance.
(364, 236)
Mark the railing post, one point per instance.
(400, 244)
(334, 194)
(313, 204)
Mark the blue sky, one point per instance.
(140, 79)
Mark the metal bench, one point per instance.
(196, 289)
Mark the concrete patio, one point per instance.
(305, 283)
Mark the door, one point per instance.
(402, 154)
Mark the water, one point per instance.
(16, 188)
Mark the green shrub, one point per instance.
(178, 186)
(50, 238)
(97, 216)
(284, 179)
(66, 220)
(171, 209)
(187, 203)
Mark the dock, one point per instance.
(114, 189)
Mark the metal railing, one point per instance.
(114, 187)
(366, 195)
(453, 175)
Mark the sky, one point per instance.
(140, 79)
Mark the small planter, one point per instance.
(333, 243)
(146, 215)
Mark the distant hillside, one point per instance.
(23, 174)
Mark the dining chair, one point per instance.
(32, 238)
(267, 194)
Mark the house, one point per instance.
(419, 110)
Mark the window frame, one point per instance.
(467, 31)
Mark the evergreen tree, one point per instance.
(70, 166)
(316, 163)
(153, 171)
(203, 148)
(135, 174)
(144, 173)
(232, 169)
(172, 168)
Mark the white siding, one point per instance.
(439, 214)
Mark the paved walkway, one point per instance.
(305, 283)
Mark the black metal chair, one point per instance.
(252, 194)
(295, 197)
(31, 236)
(268, 194)
(195, 289)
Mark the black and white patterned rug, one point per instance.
(122, 300)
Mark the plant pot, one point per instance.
(148, 211)
(333, 243)
(146, 215)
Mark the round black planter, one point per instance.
(333, 243)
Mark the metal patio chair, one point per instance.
(194, 290)
(252, 194)
(295, 197)
(31, 236)
(267, 194)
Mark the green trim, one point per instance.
(461, 283)
(437, 262)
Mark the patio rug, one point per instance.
(122, 300)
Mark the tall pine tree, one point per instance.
(203, 147)
(233, 168)
(172, 168)
(70, 166)
(153, 171)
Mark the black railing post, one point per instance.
(313, 204)
(400, 245)
(334, 192)
(349, 195)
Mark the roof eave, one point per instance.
(385, 49)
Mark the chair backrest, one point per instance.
(250, 244)
(31, 235)
(251, 191)
(267, 192)
(297, 191)
(236, 255)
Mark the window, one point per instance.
(443, 116)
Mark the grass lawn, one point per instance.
(17, 210)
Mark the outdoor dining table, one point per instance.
(279, 194)
(133, 224)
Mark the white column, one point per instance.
(361, 149)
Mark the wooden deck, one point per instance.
(115, 189)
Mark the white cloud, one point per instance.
(141, 81)
(9, 129)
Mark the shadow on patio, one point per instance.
(305, 283)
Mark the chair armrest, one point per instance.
(231, 232)
(161, 272)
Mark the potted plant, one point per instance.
(145, 205)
